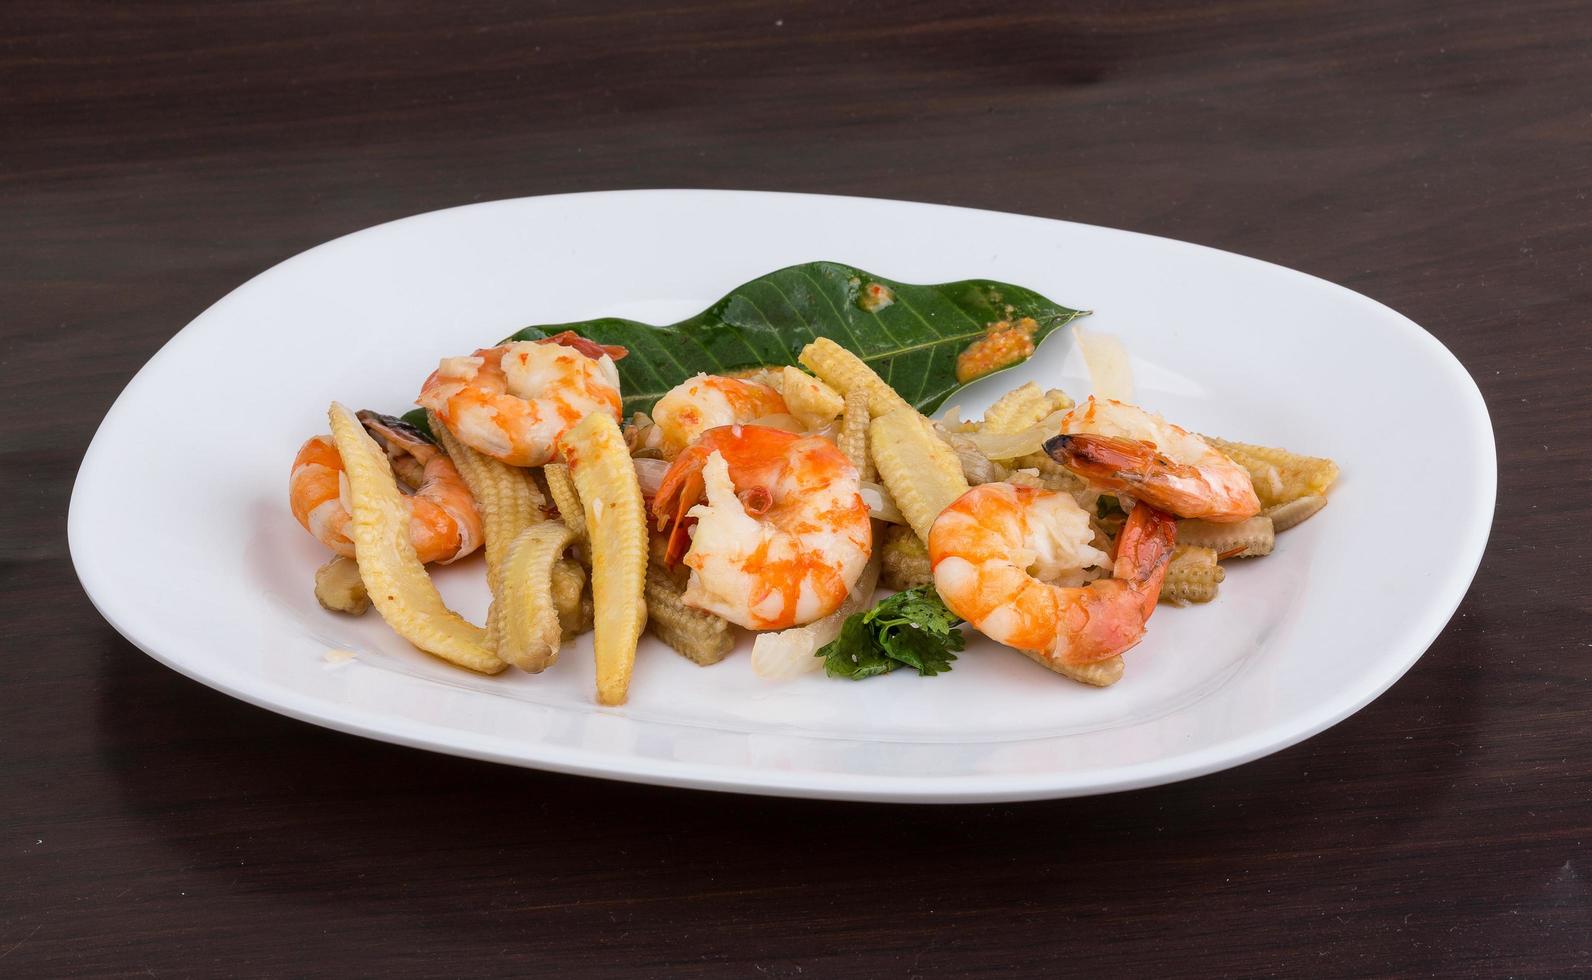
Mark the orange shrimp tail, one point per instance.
(1110, 461)
(590, 348)
(1144, 549)
(1133, 466)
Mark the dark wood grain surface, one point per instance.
(1435, 156)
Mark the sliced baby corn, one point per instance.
(339, 588)
(562, 489)
(570, 597)
(610, 497)
(814, 403)
(700, 637)
(1101, 673)
(853, 437)
(508, 501)
(531, 630)
(1016, 410)
(846, 372)
(397, 583)
(1191, 576)
(921, 472)
(1245, 539)
(1280, 476)
(1052, 475)
(1294, 512)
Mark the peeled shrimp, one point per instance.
(784, 534)
(1116, 446)
(1009, 560)
(515, 401)
(443, 523)
(708, 401)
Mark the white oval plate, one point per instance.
(181, 534)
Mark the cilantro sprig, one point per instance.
(909, 629)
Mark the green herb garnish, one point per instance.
(910, 629)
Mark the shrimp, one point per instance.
(1116, 446)
(1008, 559)
(515, 401)
(784, 534)
(443, 523)
(708, 401)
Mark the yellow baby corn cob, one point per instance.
(600, 468)
(921, 472)
(905, 559)
(1052, 474)
(531, 629)
(508, 501)
(1245, 539)
(700, 637)
(1191, 576)
(339, 588)
(562, 489)
(1101, 673)
(570, 598)
(1016, 410)
(846, 372)
(1294, 512)
(396, 581)
(814, 403)
(1279, 475)
(853, 438)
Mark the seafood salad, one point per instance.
(778, 500)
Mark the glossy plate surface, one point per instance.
(187, 546)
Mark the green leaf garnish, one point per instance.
(911, 628)
(417, 417)
(910, 334)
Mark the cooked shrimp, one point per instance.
(1116, 446)
(708, 401)
(1009, 559)
(784, 533)
(443, 523)
(515, 401)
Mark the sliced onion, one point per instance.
(649, 473)
(880, 506)
(1110, 372)
(793, 652)
(789, 423)
(1015, 444)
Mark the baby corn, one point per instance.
(700, 637)
(921, 472)
(814, 403)
(508, 502)
(1294, 512)
(338, 587)
(565, 497)
(396, 581)
(1280, 476)
(600, 468)
(853, 438)
(1245, 539)
(847, 372)
(531, 630)
(1191, 576)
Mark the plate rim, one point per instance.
(751, 779)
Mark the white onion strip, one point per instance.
(793, 652)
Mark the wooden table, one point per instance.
(1433, 156)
